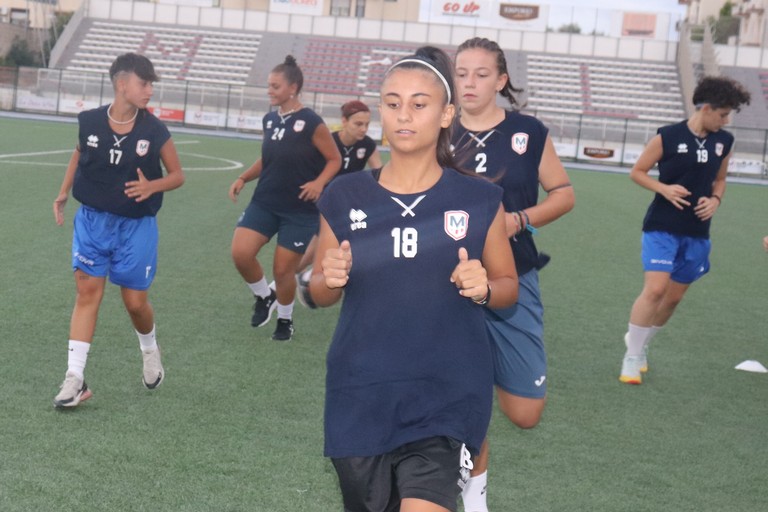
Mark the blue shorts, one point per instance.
(517, 342)
(123, 248)
(685, 258)
(294, 231)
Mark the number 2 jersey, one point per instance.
(509, 154)
(108, 160)
(410, 358)
(692, 162)
(289, 160)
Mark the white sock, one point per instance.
(652, 330)
(473, 494)
(285, 311)
(77, 356)
(147, 341)
(260, 288)
(635, 339)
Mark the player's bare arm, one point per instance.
(652, 153)
(323, 141)
(252, 173)
(554, 180)
(61, 200)
(331, 267)
(707, 206)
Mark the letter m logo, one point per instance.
(456, 223)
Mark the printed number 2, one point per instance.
(481, 159)
(114, 156)
(406, 242)
(702, 156)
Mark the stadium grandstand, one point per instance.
(603, 80)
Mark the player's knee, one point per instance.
(525, 422)
(654, 294)
(242, 257)
(136, 308)
(89, 296)
(525, 419)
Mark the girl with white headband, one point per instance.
(418, 250)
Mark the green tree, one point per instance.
(20, 54)
(570, 28)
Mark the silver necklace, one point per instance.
(121, 122)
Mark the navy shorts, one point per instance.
(433, 469)
(685, 258)
(517, 341)
(294, 231)
(123, 248)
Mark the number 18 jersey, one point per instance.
(410, 358)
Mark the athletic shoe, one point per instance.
(302, 284)
(644, 365)
(153, 368)
(263, 308)
(73, 391)
(643, 356)
(631, 370)
(284, 330)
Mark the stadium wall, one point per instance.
(388, 30)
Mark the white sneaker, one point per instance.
(631, 370)
(153, 368)
(73, 391)
(643, 356)
(302, 289)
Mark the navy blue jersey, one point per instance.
(109, 160)
(354, 157)
(693, 163)
(509, 154)
(410, 358)
(289, 160)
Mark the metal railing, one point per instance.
(239, 109)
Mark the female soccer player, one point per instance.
(419, 251)
(298, 158)
(357, 151)
(515, 151)
(116, 175)
(692, 157)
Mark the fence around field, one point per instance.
(220, 107)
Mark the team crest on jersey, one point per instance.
(520, 143)
(142, 147)
(360, 153)
(298, 125)
(456, 223)
(719, 149)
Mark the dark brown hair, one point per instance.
(508, 91)
(291, 71)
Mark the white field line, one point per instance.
(230, 164)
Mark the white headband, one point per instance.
(430, 66)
